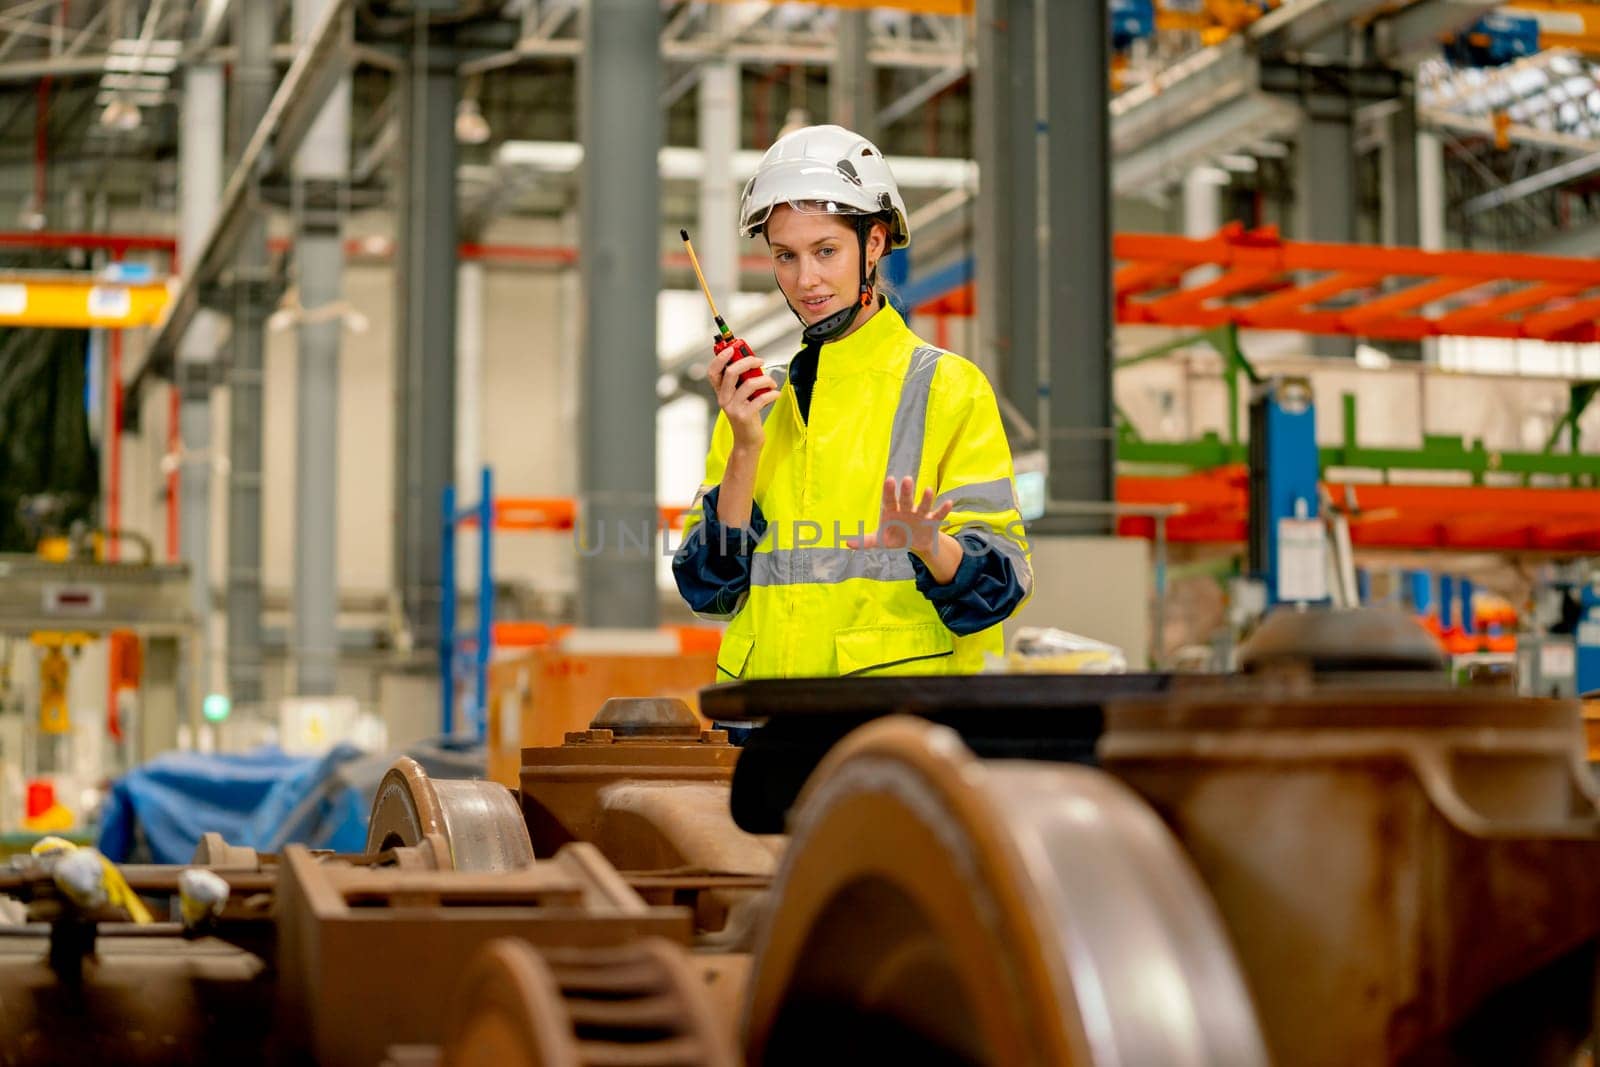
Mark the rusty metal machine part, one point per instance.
(593, 788)
(1406, 876)
(215, 852)
(638, 1004)
(657, 717)
(368, 957)
(655, 800)
(934, 908)
(479, 820)
(1375, 646)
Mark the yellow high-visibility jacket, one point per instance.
(885, 403)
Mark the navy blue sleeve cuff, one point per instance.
(724, 540)
(712, 566)
(985, 589)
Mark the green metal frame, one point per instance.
(1438, 452)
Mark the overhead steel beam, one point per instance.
(1414, 32)
(1228, 127)
(751, 53)
(317, 68)
(1549, 178)
(212, 22)
(68, 64)
(1433, 118)
(1298, 26)
(925, 90)
(1174, 98)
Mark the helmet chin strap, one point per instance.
(835, 325)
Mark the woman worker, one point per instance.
(860, 516)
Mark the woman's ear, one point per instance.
(877, 245)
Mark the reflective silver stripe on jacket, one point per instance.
(911, 414)
(983, 497)
(823, 566)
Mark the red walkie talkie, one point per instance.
(725, 337)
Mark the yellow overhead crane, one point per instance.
(78, 300)
(1573, 24)
(1214, 20)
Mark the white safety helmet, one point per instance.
(824, 170)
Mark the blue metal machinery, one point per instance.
(1496, 39)
(471, 651)
(1287, 547)
(1588, 637)
(1131, 20)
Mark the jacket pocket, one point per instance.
(733, 655)
(893, 649)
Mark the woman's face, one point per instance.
(817, 260)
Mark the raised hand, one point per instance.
(905, 521)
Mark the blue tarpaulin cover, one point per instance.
(262, 799)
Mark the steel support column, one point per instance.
(1400, 204)
(1007, 244)
(425, 287)
(620, 213)
(1325, 179)
(200, 149)
(1074, 214)
(254, 79)
(1430, 193)
(852, 85)
(320, 176)
(717, 241)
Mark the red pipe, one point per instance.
(116, 244)
(174, 448)
(114, 446)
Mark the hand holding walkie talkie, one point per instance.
(725, 338)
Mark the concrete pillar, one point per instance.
(254, 79)
(1400, 199)
(200, 148)
(1431, 235)
(1005, 138)
(321, 172)
(425, 328)
(1430, 193)
(620, 214)
(469, 378)
(1075, 232)
(717, 241)
(852, 86)
(1325, 182)
(1202, 202)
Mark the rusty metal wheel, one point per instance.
(479, 820)
(935, 908)
(639, 1005)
